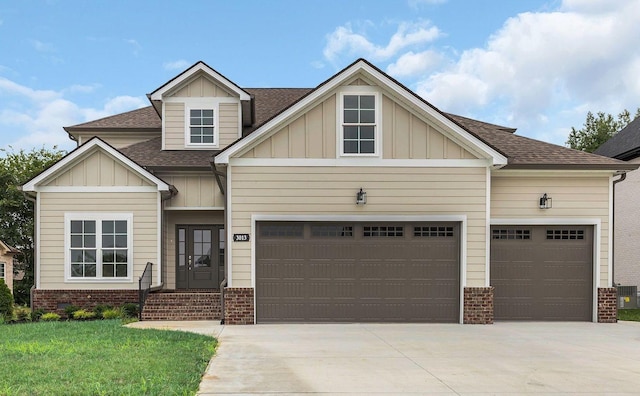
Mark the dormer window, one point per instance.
(201, 126)
(359, 122)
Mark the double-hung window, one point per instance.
(359, 116)
(3, 268)
(202, 126)
(98, 246)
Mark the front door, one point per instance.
(199, 256)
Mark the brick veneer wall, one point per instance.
(238, 306)
(478, 305)
(50, 300)
(607, 305)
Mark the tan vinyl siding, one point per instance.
(200, 87)
(579, 197)
(98, 169)
(404, 135)
(174, 218)
(53, 206)
(174, 126)
(194, 191)
(331, 191)
(228, 123)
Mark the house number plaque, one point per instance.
(241, 237)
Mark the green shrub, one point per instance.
(83, 314)
(130, 310)
(50, 317)
(70, 309)
(37, 314)
(111, 314)
(6, 302)
(100, 308)
(21, 314)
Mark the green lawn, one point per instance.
(629, 314)
(100, 358)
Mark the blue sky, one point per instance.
(538, 66)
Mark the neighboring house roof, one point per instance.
(625, 145)
(521, 152)
(8, 249)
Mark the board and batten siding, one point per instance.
(98, 169)
(332, 190)
(574, 196)
(313, 135)
(54, 205)
(194, 191)
(200, 87)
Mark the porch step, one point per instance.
(182, 306)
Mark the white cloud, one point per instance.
(34, 118)
(414, 64)
(317, 64)
(42, 47)
(176, 65)
(343, 41)
(415, 4)
(134, 45)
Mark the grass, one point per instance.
(629, 314)
(100, 358)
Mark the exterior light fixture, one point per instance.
(361, 197)
(545, 202)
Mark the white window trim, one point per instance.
(98, 218)
(359, 90)
(201, 105)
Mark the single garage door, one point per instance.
(542, 272)
(357, 272)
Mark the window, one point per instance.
(331, 231)
(382, 231)
(565, 234)
(438, 231)
(201, 126)
(2, 269)
(98, 246)
(510, 234)
(359, 123)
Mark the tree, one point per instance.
(17, 212)
(597, 130)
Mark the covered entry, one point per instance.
(357, 272)
(542, 272)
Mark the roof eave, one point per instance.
(603, 167)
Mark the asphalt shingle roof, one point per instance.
(624, 145)
(522, 152)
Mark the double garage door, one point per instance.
(542, 272)
(357, 272)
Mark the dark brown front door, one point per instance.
(199, 256)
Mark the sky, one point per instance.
(535, 65)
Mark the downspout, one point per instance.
(613, 229)
(163, 234)
(218, 176)
(31, 198)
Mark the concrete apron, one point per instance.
(506, 358)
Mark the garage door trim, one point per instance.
(597, 235)
(461, 219)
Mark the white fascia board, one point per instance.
(200, 66)
(32, 185)
(361, 66)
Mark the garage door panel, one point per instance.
(372, 273)
(542, 272)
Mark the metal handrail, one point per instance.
(144, 286)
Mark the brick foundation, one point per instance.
(478, 305)
(56, 300)
(238, 306)
(607, 305)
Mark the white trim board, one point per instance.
(364, 162)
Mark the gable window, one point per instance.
(201, 126)
(359, 123)
(98, 246)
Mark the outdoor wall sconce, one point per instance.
(361, 197)
(545, 202)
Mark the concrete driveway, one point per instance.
(432, 359)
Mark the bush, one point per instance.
(111, 314)
(83, 314)
(50, 317)
(130, 310)
(37, 314)
(100, 308)
(21, 314)
(6, 302)
(69, 310)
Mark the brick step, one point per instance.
(182, 306)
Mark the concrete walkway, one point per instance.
(431, 359)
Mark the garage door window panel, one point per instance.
(383, 231)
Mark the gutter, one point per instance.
(219, 175)
(623, 176)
